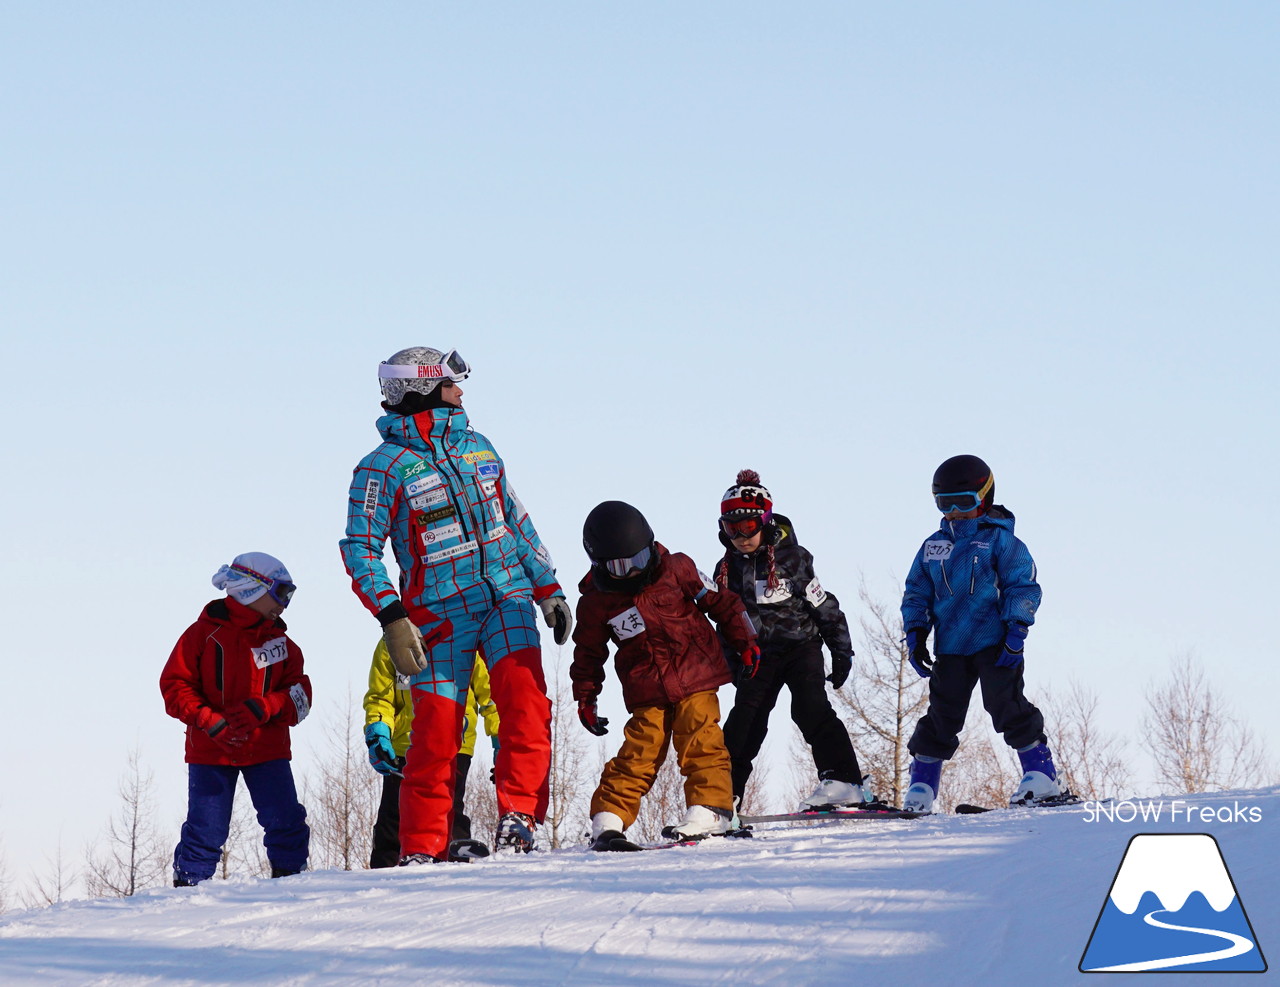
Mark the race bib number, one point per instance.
(937, 551)
(627, 624)
(776, 595)
(300, 701)
(814, 593)
(277, 649)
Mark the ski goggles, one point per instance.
(621, 568)
(452, 366)
(747, 527)
(280, 590)
(964, 500)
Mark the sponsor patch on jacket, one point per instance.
(435, 536)
(814, 593)
(938, 551)
(300, 701)
(448, 553)
(707, 582)
(776, 595)
(627, 624)
(439, 514)
(493, 534)
(403, 682)
(371, 491)
(421, 484)
(484, 455)
(515, 499)
(489, 487)
(544, 556)
(429, 499)
(277, 649)
(488, 471)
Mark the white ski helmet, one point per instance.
(420, 369)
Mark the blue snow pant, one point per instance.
(210, 791)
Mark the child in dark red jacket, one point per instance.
(236, 680)
(653, 606)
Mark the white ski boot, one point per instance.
(831, 792)
(698, 822)
(1039, 777)
(605, 827)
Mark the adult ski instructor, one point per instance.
(473, 573)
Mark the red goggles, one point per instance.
(746, 527)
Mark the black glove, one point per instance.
(595, 723)
(918, 651)
(841, 666)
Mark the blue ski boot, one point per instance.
(926, 773)
(1039, 776)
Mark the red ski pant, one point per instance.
(693, 724)
(507, 639)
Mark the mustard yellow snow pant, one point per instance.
(693, 724)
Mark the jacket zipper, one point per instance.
(973, 574)
(464, 515)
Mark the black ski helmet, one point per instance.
(964, 474)
(615, 530)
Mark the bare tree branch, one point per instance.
(130, 857)
(342, 796)
(1196, 741)
(882, 700)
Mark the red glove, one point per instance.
(245, 718)
(220, 734)
(751, 660)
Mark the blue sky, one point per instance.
(836, 244)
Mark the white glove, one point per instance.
(556, 612)
(404, 642)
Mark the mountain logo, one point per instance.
(1172, 906)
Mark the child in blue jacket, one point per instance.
(973, 583)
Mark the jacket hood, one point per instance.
(235, 614)
(417, 431)
(996, 517)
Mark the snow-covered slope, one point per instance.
(1003, 898)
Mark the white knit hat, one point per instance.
(246, 586)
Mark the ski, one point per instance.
(464, 851)
(851, 813)
(1052, 802)
(620, 844)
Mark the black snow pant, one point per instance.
(954, 676)
(800, 669)
(386, 828)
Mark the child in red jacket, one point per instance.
(653, 606)
(236, 680)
